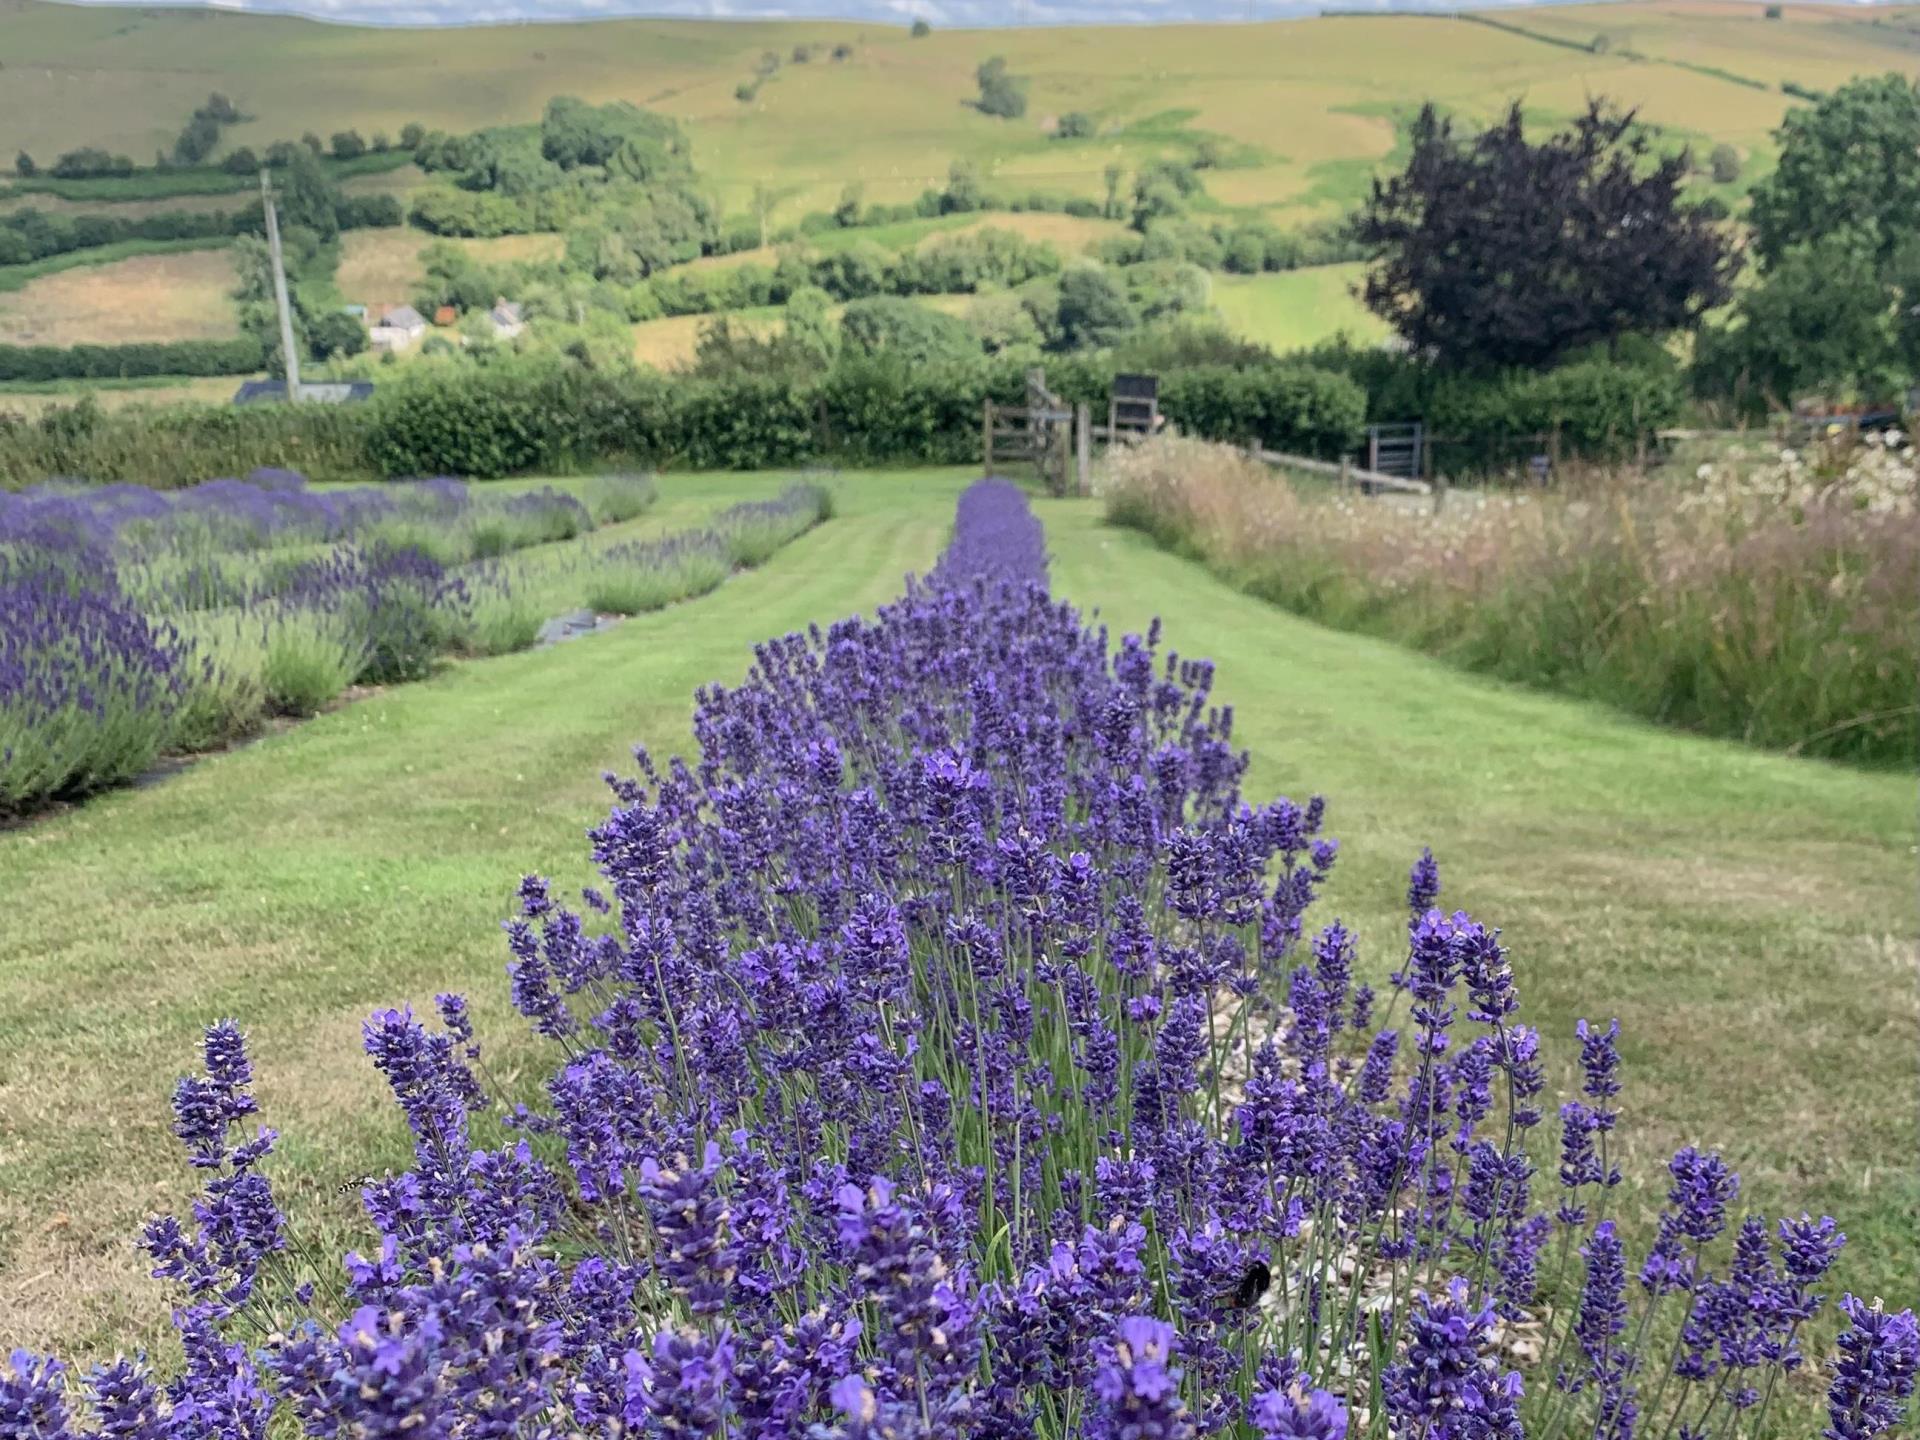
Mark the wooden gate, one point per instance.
(1046, 433)
(1397, 450)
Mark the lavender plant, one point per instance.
(947, 1052)
(142, 622)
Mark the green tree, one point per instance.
(314, 143)
(1822, 321)
(347, 145)
(905, 331)
(809, 323)
(307, 199)
(24, 167)
(1093, 311)
(1724, 164)
(335, 334)
(964, 193)
(412, 134)
(1002, 324)
(1115, 174)
(241, 162)
(763, 203)
(1001, 93)
(1849, 167)
(921, 29)
(196, 142)
(1074, 125)
(847, 213)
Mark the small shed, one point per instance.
(445, 316)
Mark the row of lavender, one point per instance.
(134, 622)
(947, 1053)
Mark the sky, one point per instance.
(948, 13)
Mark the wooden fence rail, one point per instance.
(1346, 472)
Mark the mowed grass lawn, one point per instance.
(1748, 918)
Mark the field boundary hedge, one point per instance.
(240, 356)
(554, 419)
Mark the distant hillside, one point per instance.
(1307, 109)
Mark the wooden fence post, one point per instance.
(1346, 472)
(1083, 446)
(986, 437)
(1439, 492)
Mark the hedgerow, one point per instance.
(549, 418)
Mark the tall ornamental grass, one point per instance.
(1765, 595)
(948, 1052)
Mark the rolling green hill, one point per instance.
(1293, 118)
(1311, 103)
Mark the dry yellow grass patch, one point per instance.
(124, 209)
(1069, 234)
(383, 266)
(669, 342)
(214, 391)
(151, 297)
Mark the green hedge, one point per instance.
(553, 418)
(1598, 409)
(242, 356)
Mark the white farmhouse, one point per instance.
(396, 327)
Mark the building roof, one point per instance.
(506, 312)
(403, 317)
(319, 392)
(445, 315)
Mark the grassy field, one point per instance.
(1297, 308)
(117, 394)
(1306, 111)
(184, 296)
(669, 341)
(1310, 103)
(1748, 918)
(383, 266)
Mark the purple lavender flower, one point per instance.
(1297, 1413)
(1874, 1374)
(1423, 884)
(33, 1402)
(1600, 1059)
(696, 1252)
(1443, 1387)
(1136, 1388)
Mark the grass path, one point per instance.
(1748, 918)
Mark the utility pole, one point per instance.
(292, 361)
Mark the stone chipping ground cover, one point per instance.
(888, 1097)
